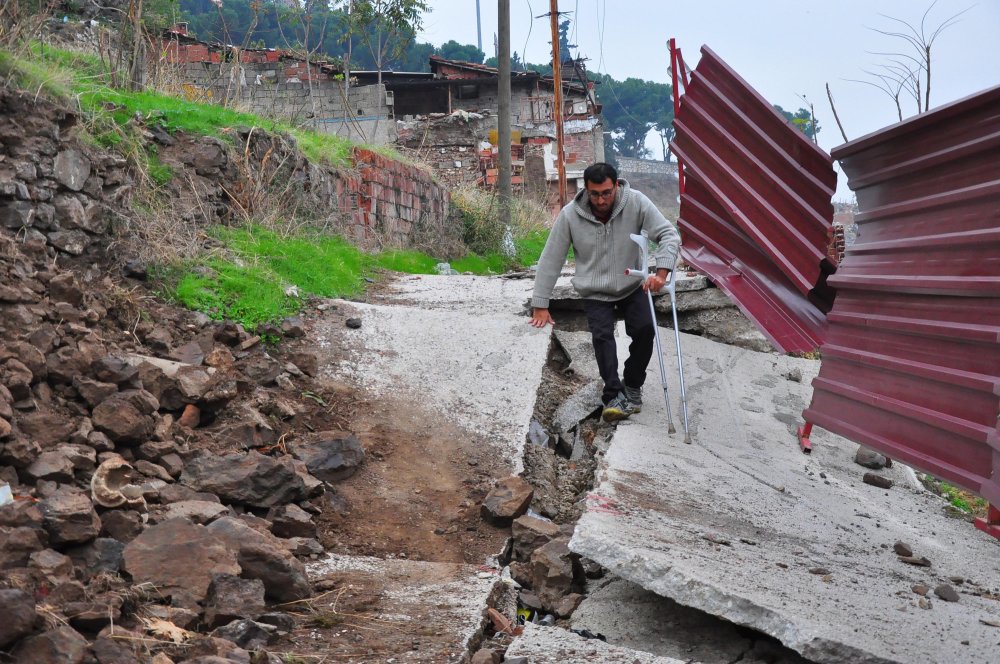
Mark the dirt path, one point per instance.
(440, 383)
(418, 495)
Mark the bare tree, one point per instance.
(833, 107)
(304, 39)
(21, 21)
(909, 71)
(386, 26)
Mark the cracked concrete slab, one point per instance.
(461, 345)
(406, 600)
(633, 617)
(554, 644)
(742, 525)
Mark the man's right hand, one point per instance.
(540, 318)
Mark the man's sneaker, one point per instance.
(634, 396)
(617, 409)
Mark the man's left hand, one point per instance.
(655, 282)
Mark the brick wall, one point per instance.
(838, 244)
(395, 200)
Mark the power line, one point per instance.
(524, 51)
(610, 80)
(576, 24)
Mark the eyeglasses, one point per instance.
(607, 193)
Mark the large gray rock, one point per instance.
(104, 554)
(247, 633)
(126, 417)
(179, 559)
(331, 455)
(20, 513)
(46, 428)
(291, 521)
(52, 566)
(554, 570)
(262, 556)
(197, 511)
(17, 544)
(64, 288)
(869, 458)
(93, 391)
(17, 214)
(53, 465)
(113, 369)
(69, 517)
(62, 645)
(71, 169)
(72, 242)
(18, 610)
(193, 382)
(530, 533)
(231, 598)
(246, 479)
(508, 500)
(84, 215)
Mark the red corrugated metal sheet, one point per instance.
(756, 212)
(911, 363)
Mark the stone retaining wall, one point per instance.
(61, 194)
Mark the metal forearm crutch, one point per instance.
(643, 272)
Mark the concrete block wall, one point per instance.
(630, 165)
(281, 90)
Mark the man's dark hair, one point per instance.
(599, 172)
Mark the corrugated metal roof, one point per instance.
(911, 362)
(756, 212)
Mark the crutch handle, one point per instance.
(635, 273)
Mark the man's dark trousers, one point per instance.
(601, 316)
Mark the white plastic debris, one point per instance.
(5, 494)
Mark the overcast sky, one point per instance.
(784, 48)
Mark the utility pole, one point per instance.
(347, 60)
(503, 110)
(558, 110)
(479, 28)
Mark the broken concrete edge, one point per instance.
(548, 642)
(689, 591)
(502, 593)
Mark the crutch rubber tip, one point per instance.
(687, 440)
(671, 429)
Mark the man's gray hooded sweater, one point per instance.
(604, 251)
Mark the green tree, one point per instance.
(632, 108)
(386, 27)
(416, 57)
(802, 119)
(452, 50)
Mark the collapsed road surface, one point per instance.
(742, 525)
(739, 524)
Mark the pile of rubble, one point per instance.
(148, 485)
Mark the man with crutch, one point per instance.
(597, 224)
